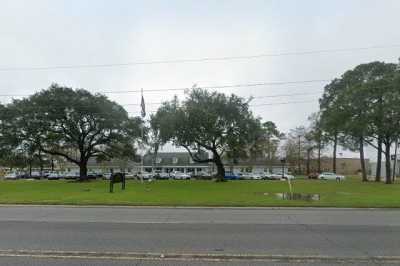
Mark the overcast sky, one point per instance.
(76, 32)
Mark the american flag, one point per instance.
(143, 111)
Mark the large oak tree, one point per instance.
(75, 125)
(208, 121)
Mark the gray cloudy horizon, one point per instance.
(59, 33)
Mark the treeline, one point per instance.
(67, 124)
(359, 108)
(75, 125)
(362, 107)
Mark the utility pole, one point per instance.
(143, 115)
(395, 159)
(299, 155)
(397, 140)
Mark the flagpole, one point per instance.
(143, 114)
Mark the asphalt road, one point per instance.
(197, 236)
(7, 261)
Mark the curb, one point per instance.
(197, 207)
(191, 256)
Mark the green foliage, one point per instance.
(267, 143)
(298, 148)
(208, 121)
(61, 121)
(363, 106)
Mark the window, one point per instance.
(158, 160)
(174, 160)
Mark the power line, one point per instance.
(281, 103)
(154, 111)
(253, 97)
(285, 95)
(225, 86)
(196, 60)
(277, 83)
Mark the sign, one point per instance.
(117, 178)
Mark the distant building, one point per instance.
(344, 166)
(182, 162)
(383, 168)
(103, 167)
(255, 165)
(167, 162)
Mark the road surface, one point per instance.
(59, 235)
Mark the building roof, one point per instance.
(172, 159)
(106, 164)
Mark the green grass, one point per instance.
(350, 193)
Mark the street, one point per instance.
(57, 235)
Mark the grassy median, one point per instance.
(350, 193)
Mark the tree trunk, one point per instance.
(319, 156)
(387, 163)
(83, 170)
(299, 156)
(41, 170)
(308, 161)
(220, 167)
(362, 161)
(270, 160)
(41, 165)
(335, 142)
(395, 160)
(379, 161)
(30, 168)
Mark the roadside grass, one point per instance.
(350, 193)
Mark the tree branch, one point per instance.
(59, 154)
(195, 158)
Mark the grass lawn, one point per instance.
(350, 193)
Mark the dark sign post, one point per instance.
(283, 161)
(117, 178)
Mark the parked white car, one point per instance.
(251, 176)
(278, 176)
(36, 174)
(203, 174)
(163, 175)
(11, 176)
(145, 176)
(53, 176)
(71, 175)
(258, 175)
(129, 176)
(246, 176)
(267, 175)
(179, 175)
(107, 176)
(331, 176)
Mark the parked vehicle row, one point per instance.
(326, 176)
(257, 176)
(331, 176)
(162, 175)
(50, 175)
(174, 175)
